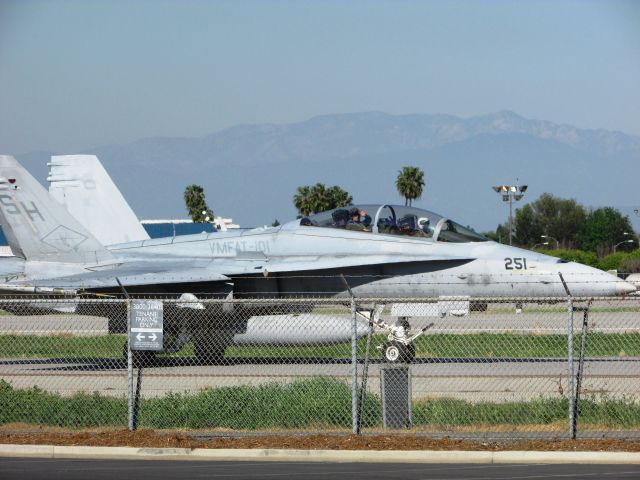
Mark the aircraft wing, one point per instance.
(324, 262)
(160, 273)
(129, 275)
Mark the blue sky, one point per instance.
(78, 74)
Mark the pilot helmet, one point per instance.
(423, 223)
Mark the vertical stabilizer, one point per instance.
(38, 227)
(82, 185)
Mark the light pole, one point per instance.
(551, 238)
(618, 244)
(510, 193)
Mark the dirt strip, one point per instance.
(155, 439)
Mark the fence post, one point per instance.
(570, 389)
(130, 405)
(354, 358)
(570, 376)
(354, 367)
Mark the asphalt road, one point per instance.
(24, 469)
(536, 322)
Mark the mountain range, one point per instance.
(251, 172)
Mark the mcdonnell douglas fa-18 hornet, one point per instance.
(365, 250)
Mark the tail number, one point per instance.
(12, 208)
(515, 263)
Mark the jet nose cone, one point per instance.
(624, 288)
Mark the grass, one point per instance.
(482, 345)
(60, 346)
(43, 408)
(612, 413)
(316, 403)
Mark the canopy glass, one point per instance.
(394, 220)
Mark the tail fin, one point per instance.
(82, 185)
(38, 227)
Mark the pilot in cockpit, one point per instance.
(359, 220)
(412, 226)
(340, 218)
(425, 227)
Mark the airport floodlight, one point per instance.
(510, 193)
(551, 238)
(618, 244)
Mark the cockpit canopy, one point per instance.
(394, 220)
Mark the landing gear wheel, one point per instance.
(396, 352)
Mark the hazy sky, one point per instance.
(79, 74)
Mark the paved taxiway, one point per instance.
(72, 469)
(539, 322)
(495, 380)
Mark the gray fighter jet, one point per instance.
(369, 250)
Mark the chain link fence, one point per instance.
(465, 367)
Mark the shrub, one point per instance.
(631, 265)
(579, 256)
(613, 261)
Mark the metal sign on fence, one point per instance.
(145, 331)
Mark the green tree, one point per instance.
(527, 227)
(556, 217)
(302, 201)
(196, 204)
(339, 197)
(410, 184)
(604, 228)
(501, 234)
(319, 198)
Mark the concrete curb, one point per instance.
(343, 456)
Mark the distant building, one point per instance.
(185, 226)
(172, 228)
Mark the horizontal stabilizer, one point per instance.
(129, 276)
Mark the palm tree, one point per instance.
(339, 197)
(410, 183)
(319, 198)
(196, 204)
(302, 200)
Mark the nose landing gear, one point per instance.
(396, 352)
(400, 348)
